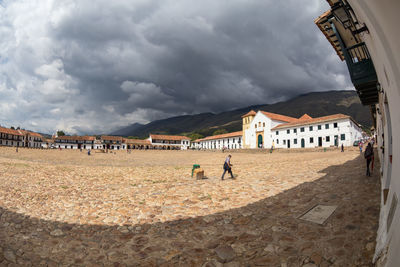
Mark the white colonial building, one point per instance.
(74, 142)
(169, 141)
(11, 137)
(327, 131)
(265, 130)
(221, 141)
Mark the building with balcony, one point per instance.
(31, 139)
(365, 34)
(169, 141)
(74, 142)
(112, 142)
(136, 144)
(11, 137)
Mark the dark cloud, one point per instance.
(86, 66)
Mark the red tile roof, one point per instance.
(279, 117)
(305, 117)
(168, 137)
(220, 136)
(9, 131)
(111, 138)
(250, 113)
(76, 138)
(136, 142)
(23, 132)
(313, 120)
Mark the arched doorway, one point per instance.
(259, 141)
(303, 143)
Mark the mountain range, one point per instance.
(315, 104)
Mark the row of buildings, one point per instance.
(260, 130)
(269, 130)
(155, 141)
(23, 138)
(20, 138)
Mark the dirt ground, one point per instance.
(144, 209)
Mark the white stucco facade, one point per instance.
(377, 22)
(266, 130)
(383, 42)
(222, 141)
(260, 125)
(324, 134)
(169, 141)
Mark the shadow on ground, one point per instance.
(264, 233)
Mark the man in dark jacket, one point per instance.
(369, 155)
(227, 167)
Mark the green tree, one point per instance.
(220, 131)
(60, 133)
(12, 128)
(195, 136)
(133, 137)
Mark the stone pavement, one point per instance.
(63, 208)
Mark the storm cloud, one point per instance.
(93, 66)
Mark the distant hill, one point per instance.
(315, 104)
(126, 131)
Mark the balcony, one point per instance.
(362, 73)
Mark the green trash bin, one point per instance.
(324, 149)
(195, 166)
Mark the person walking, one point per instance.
(227, 167)
(369, 155)
(342, 147)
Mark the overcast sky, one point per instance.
(89, 66)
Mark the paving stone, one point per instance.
(143, 209)
(225, 253)
(57, 232)
(9, 255)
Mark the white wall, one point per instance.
(220, 143)
(11, 143)
(260, 123)
(383, 42)
(345, 126)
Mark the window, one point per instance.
(255, 125)
(294, 130)
(302, 129)
(284, 142)
(311, 128)
(277, 133)
(288, 131)
(295, 141)
(319, 127)
(311, 140)
(263, 124)
(343, 137)
(277, 141)
(259, 124)
(328, 139)
(335, 125)
(327, 126)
